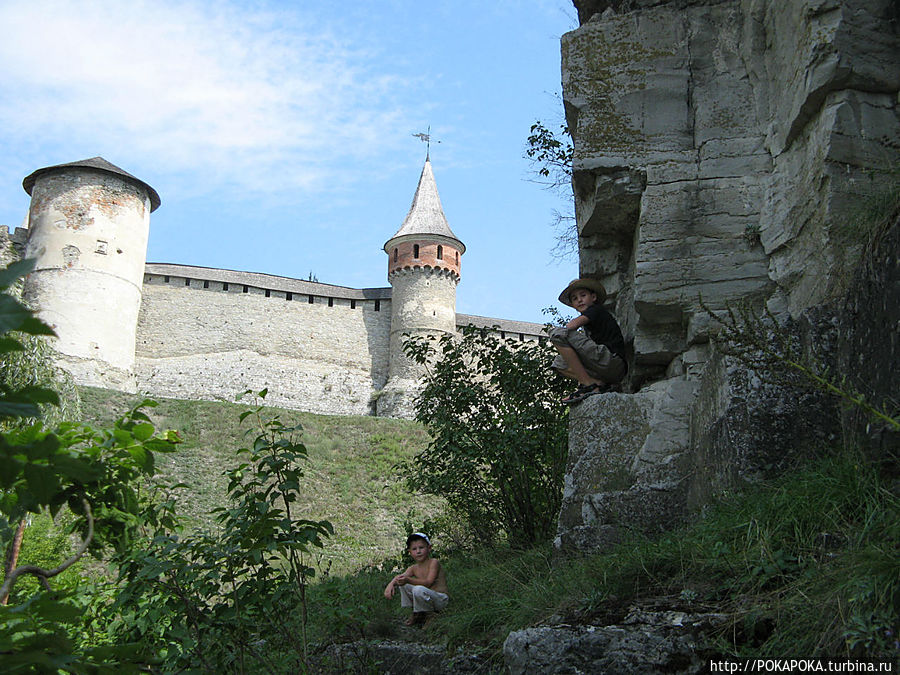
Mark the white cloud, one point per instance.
(254, 97)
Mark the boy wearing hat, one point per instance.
(423, 586)
(595, 355)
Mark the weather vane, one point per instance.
(426, 139)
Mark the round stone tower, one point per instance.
(423, 270)
(88, 228)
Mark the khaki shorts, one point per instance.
(598, 361)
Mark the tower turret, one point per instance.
(423, 270)
(88, 227)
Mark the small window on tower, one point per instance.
(415, 251)
(378, 305)
(206, 284)
(331, 302)
(268, 293)
(440, 255)
(395, 255)
(224, 287)
(457, 257)
(353, 304)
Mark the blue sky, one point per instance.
(279, 134)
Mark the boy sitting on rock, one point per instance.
(423, 586)
(595, 355)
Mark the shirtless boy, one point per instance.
(423, 586)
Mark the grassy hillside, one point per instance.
(351, 478)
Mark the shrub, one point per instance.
(499, 433)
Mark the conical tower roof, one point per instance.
(426, 215)
(98, 164)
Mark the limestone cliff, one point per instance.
(721, 151)
(725, 152)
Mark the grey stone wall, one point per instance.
(202, 341)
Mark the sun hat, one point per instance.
(590, 284)
(417, 535)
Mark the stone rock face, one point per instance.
(397, 658)
(645, 642)
(868, 343)
(745, 427)
(627, 465)
(720, 148)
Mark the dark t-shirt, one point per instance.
(604, 330)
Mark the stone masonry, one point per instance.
(200, 333)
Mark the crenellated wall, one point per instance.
(201, 338)
(211, 334)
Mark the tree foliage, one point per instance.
(551, 155)
(220, 602)
(95, 474)
(233, 601)
(499, 433)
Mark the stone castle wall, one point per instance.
(205, 333)
(212, 334)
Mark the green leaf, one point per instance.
(42, 481)
(13, 408)
(39, 394)
(76, 468)
(8, 344)
(143, 431)
(34, 326)
(142, 457)
(9, 471)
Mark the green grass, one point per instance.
(805, 565)
(351, 478)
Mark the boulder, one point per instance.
(626, 466)
(644, 643)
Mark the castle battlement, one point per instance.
(192, 332)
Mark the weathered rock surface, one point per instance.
(627, 465)
(396, 657)
(645, 642)
(721, 148)
(724, 150)
(868, 343)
